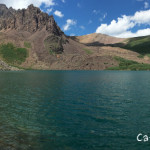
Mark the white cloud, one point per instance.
(72, 34)
(96, 11)
(123, 25)
(116, 27)
(146, 5)
(19, 4)
(78, 5)
(103, 17)
(69, 23)
(90, 21)
(59, 14)
(82, 27)
(49, 10)
(141, 17)
(142, 32)
(63, 1)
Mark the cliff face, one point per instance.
(30, 19)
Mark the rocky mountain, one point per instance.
(30, 20)
(31, 39)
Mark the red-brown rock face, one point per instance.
(30, 19)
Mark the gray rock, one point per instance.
(30, 19)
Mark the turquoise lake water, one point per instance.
(74, 110)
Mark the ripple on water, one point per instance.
(59, 110)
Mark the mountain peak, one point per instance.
(31, 6)
(31, 20)
(3, 5)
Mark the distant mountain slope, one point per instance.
(138, 44)
(98, 39)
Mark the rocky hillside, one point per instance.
(31, 39)
(6, 67)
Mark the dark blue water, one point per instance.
(74, 110)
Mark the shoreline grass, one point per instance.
(125, 64)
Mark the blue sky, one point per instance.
(90, 14)
(120, 18)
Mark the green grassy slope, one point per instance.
(125, 64)
(139, 44)
(13, 55)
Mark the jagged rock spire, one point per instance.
(30, 19)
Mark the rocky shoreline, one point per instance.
(5, 67)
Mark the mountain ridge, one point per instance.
(30, 20)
